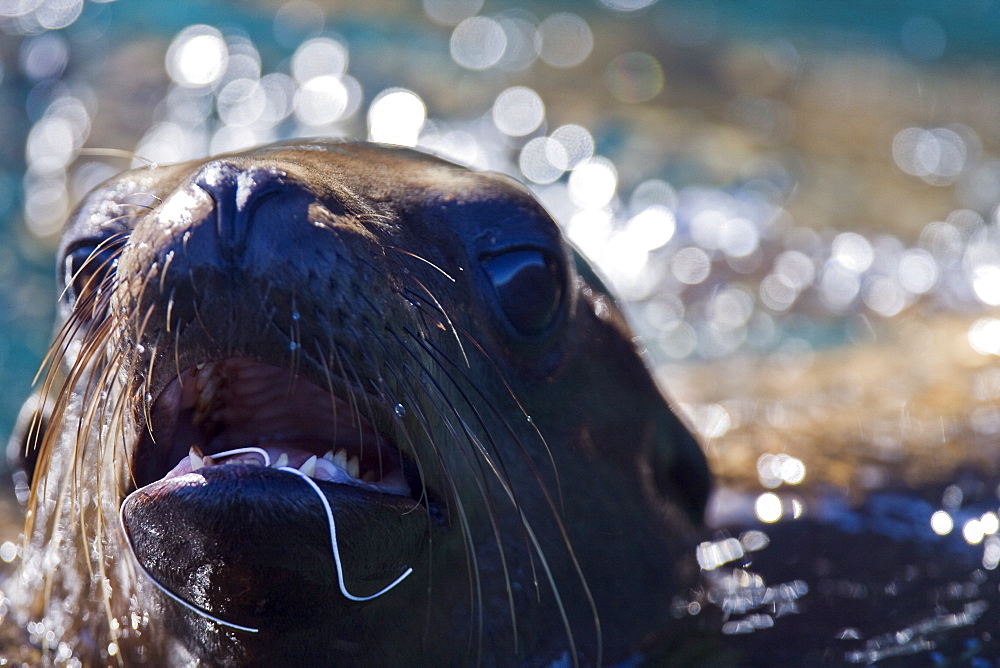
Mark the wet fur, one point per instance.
(568, 489)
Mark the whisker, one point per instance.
(169, 594)
(544, 489)
(409, 396)
(111, 241)
(329, 382)
(116, 153)
(422, 259)
(471, 556)
(352, 394)
(428, 378)
(336, 549)
(444, 314)
(294, 343)
(167, 261)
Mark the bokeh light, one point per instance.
(972, 532)
(942, 523)
(478, 43)
(627, 5)
(576, 144)
(396, 117)
(318, 57)
(564, 40)
(518, 111)
(984, 336)
(773, 470)
(768, 507)
(198, 56)
(593, 184)
(937, 155)
(691, 265)
(321, 101)
(711, 555)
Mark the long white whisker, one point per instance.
(334, 546)
(243, 451)
(190, 606)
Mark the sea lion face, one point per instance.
(350, 403)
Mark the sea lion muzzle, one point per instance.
(231, 309)
(413, 337)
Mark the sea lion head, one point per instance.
(347, 403)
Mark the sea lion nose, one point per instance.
(237, 193)
(213, 244)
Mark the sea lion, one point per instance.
(344, 403)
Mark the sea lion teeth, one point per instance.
(328, 456)
(209, 389)
(369, 476)
(204, 373)
(309, 466)
(281, 461)
(353, 467)
(340, 459)
(197, 461)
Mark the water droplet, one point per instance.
(140, 349)
(296, 315)
(400, 410)
(531, 420)
(149, 397)
(294, 345)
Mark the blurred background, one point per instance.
(796, 202)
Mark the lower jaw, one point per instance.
(252, 545)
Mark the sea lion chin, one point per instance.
(344, 403)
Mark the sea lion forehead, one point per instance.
(408, 185)
(383, 173)
(416, 192)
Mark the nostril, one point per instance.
(237, 192)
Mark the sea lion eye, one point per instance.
(87, 269)
(528, 286)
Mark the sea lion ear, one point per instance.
(22, 448)
(675, 469)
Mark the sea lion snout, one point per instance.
(238, 274)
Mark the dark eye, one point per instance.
(528, 286)
(87, 269)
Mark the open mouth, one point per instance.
(239, 412)
(219, 523)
